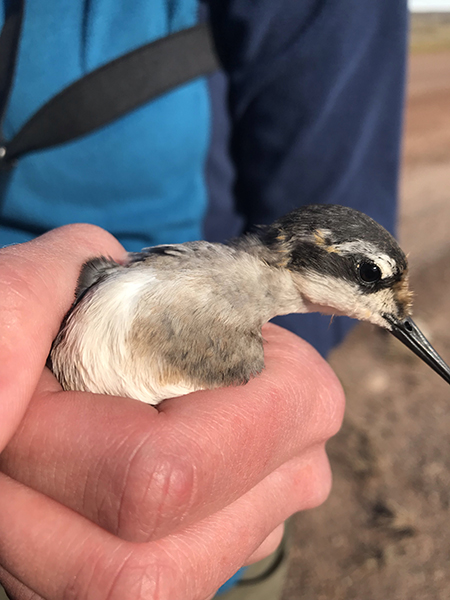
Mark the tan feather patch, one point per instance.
(403, 294)
(319, 237)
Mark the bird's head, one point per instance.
(343, 262)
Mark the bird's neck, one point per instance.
(269, 288)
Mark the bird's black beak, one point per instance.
(407, 332)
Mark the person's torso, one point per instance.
(141, 177)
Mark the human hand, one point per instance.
(104, 497)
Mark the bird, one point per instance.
(174, 319)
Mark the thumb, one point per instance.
(37, 283)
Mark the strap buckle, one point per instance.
(5, 162)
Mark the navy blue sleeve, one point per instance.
(315, 99)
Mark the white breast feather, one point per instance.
(100, 349)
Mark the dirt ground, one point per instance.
(384, 533)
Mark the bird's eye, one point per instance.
(369, 272)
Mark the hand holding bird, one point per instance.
(104, 496)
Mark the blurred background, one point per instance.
(384, 533)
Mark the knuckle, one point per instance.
(154, 495)
(328, 405)
(313, 481)
(321, 480)
(322, 491)
(332, 403)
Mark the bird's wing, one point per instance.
(93, 271)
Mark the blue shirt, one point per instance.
(140, 177)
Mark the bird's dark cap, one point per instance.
(328, 226)
(345, 225)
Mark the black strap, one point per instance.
(9, 40)
(114, 89)
(278, 558)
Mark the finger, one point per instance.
(37, 282)
(268, 547)
(15, 589)
(141, 474)
(59, 554)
